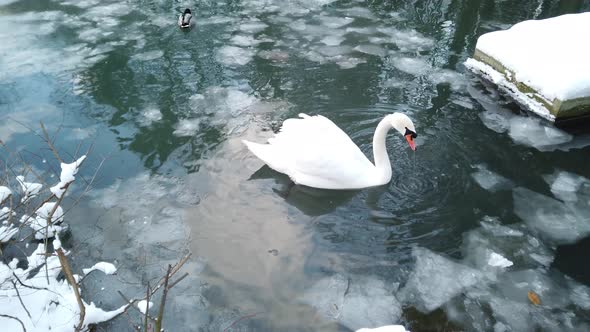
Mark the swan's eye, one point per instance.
(411, 133)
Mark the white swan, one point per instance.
(184, 20)
(314, 152)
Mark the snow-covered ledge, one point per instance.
(544, 65)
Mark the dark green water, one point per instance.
(167, 110)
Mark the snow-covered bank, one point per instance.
(33, 297)
(540, 64)
(43, 302)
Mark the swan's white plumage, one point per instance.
(314, 152)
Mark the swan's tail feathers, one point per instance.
(266, 153)
(304, 116)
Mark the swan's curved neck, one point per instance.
(382, 162)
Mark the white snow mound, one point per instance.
(547, 55)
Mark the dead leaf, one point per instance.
(534, 298)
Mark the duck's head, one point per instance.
(404, 125)
(187, 11)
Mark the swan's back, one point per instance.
(313, 151)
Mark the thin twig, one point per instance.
(15, 318)
(133, 303)
(163, 301)
(161, 282)
(88, 187)
(147, 308)
(48, 141)
(20, 299)
(177, 280)
(29, 286)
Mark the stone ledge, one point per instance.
(557, 109)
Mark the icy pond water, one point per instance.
(167, 109)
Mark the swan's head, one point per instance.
(404, 126)
(187, 11)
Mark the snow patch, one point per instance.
(39, 223)
(52, 306)
(67, 176)
(144, 306)
(5, 192)
(30, 189)
(106, 268)
(559, 71)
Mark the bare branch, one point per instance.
(50, 143)
(163, 301)
(172, 270)
(133, 303)
(178, 280)
(31, 287)
(147, 308)
(12, 317)
(70, 277)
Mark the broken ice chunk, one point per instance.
(498, 260)
(489, 180)
(354, 301)
(565, 185)
(532, 132)
(564, 223)
(436, 280)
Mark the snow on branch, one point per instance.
(68, 172)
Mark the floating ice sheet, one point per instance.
(354, 301)
(489, 180)
(435, 280)
(562, 222)
(149, 116)
(148, 56)
(532, 132)
(234, 56)
(569, 187)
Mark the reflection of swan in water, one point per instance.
(376, 213)
(316, 202)
(314, 152)
(311, 201)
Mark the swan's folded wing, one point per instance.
(319, 153)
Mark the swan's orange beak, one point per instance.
(411, 142)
